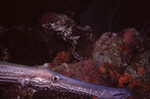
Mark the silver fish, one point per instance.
(43, 78)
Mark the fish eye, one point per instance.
(55, 78)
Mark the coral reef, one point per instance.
(46, 39)
(109, 55)
(37, 32)
(66, 30)
(139, 69)
(117, 59)
(84, 71)
(123, 58)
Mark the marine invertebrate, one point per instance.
(64, 29)
(62, 25)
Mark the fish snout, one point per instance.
(117, 94)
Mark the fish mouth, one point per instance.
(117, 93)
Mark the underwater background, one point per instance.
(103, 42)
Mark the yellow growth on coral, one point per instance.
(124, 48)
(62, 57)
(112, 75)
(95, 98)
(102, 69)
(126, 78)
(146, 85)
(141, 71)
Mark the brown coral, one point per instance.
(102, 69)
(128, 35)
(126, 79)
(141, 71)
(62, 57)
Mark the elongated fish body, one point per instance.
(42, 78)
